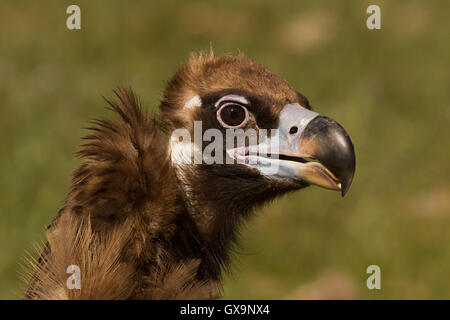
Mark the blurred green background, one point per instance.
(390, 89)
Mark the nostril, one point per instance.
(293, 130)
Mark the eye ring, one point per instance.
(232, 115)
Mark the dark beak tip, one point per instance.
(343, 192)
(344, 188)
(347, 182)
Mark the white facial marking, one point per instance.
(194, 102)
(232, 97)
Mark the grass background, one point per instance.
(389, 88)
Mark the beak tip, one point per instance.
(344, 192)
(345, 186)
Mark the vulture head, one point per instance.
(168, 192)
(240, 136)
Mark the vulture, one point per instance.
(147, 217)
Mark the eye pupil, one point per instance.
(233, 115)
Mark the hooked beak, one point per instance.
(326, 141)
(320, 149)
(310, 148)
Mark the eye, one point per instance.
(232, 115)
